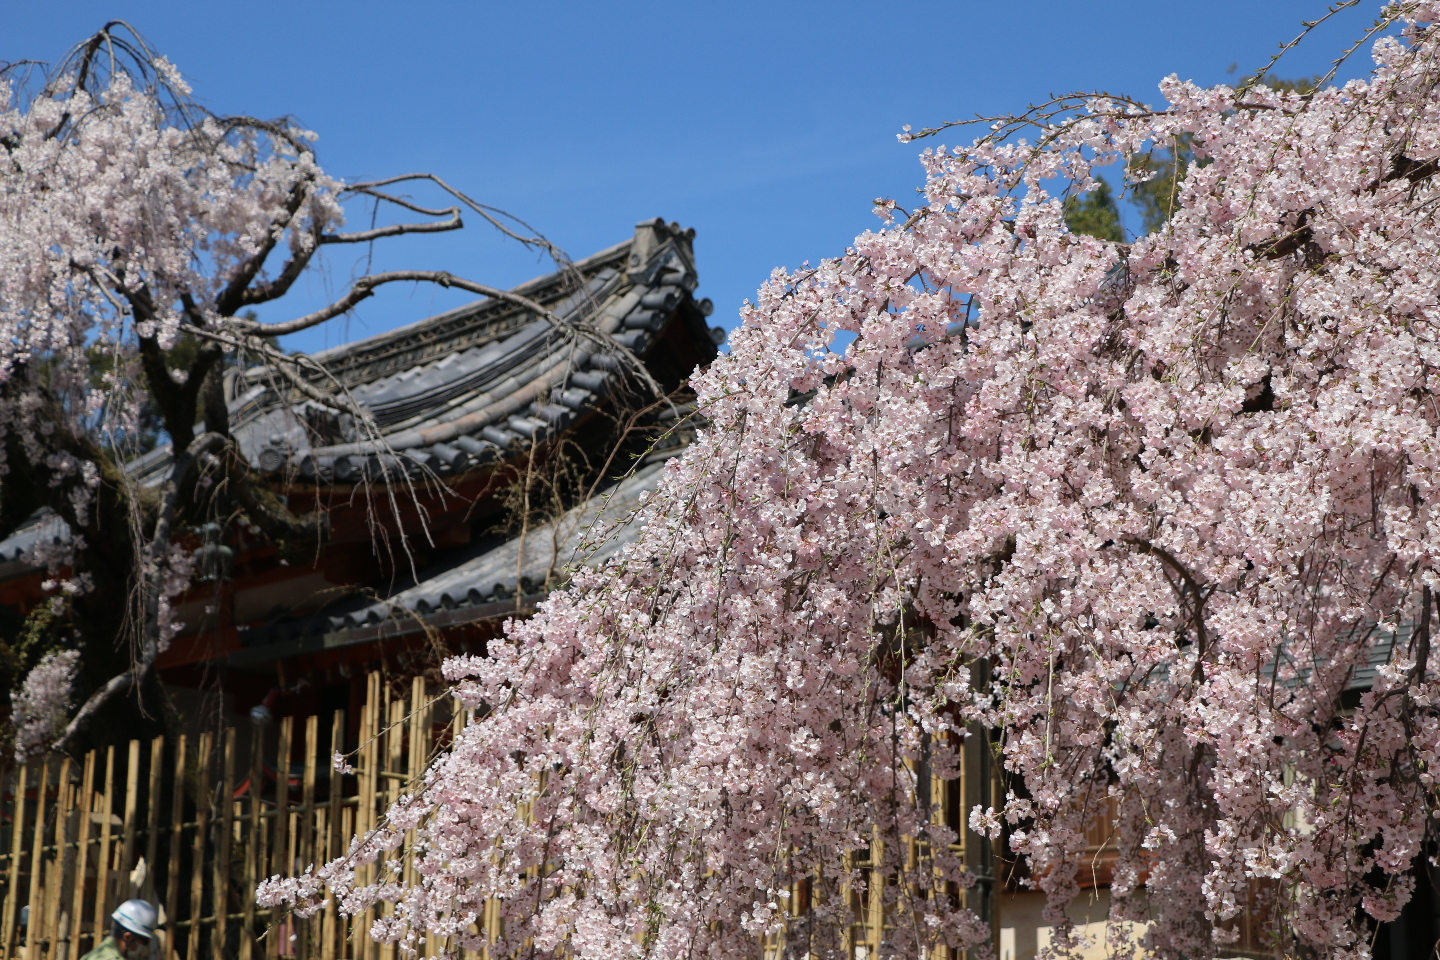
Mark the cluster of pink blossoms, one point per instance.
(125, 221)
(42, 706)
(1148, 512)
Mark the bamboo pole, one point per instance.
(394, 749)
(333, 834)
(126, 866)
(253, 863)
(220, 880)
(365, 813)
(306, 842)
(280, 833)
(102, 864)
(172, 881)
(82, 851)
(203, 794)
(12, 873)
(152, 820)
(415, 765)
(55, 869)
(37, 846)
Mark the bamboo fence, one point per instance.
(192, 824)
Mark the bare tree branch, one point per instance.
(400, 201)
(396, 229)
(491, 214)
(364, 288)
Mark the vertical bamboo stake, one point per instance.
(253, 863)
(394, 742)
(306, 842)
(333, 834)
(82, 851)
(221, 874)
(37, 846)
(55, 870)
(152, 821)
(126, 866)
(102, 862)
(374, 757)
(203, 794)
(177, 829)
(12, 885)
(280, 832)
(414, 760)
(414, 766)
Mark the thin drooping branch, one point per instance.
(491, 214)
(153, 575)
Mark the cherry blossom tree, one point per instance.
(1149, 514)
(138, 233)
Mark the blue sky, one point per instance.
(768, 127)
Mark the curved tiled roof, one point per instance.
(484, 377)
(586, 535)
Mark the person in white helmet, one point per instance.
(134, 925)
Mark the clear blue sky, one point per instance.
(768, 127)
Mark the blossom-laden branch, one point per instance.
(826, 597)
(137, 231)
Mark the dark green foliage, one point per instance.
(1155, 198)
(1095, 214)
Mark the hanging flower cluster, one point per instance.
(42, 706)
(1151, 514)
(128, 215)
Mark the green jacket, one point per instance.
(106, 951)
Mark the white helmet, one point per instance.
(137, 916)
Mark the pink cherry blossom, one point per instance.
(40, 709)
(1160, 517)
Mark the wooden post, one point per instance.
(221, 874)
(253, 863)
(12, 884)
(132, 798)
(102, 862)
(333, 835)
(280, 836)
(177, 829)
(82, 852)
(55, 869)
(152, 820)
(306, 842)
(37, 846)
(203, 796)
